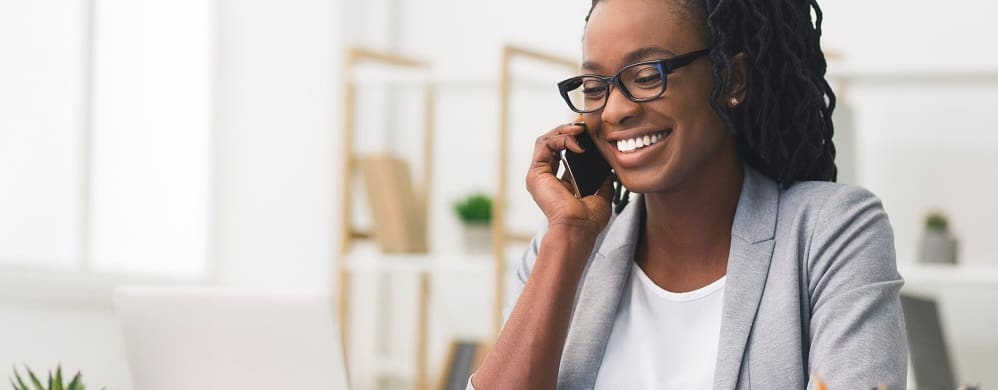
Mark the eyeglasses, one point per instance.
(640, 82)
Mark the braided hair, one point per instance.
(784, 126)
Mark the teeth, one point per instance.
(627, 145)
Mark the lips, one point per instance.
(630, 145)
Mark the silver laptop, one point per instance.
(180, 338)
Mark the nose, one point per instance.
(619, 109)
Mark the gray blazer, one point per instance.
(812, 287)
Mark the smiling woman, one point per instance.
(740, 265)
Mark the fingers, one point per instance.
(561, 138)
(540, 180)
(548, 147)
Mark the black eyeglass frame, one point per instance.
(665, 67)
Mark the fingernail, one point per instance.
(578, 123)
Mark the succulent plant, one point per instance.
(54, 382)
(476, 208)
(936, 221)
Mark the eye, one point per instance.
(647, 76)
(593, 88)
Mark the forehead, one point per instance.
(618, 29)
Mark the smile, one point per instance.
(633, 144)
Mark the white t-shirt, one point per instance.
(661, 339)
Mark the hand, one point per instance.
(555, 196)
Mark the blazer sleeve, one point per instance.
(857, 331)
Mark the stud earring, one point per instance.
(733, 102)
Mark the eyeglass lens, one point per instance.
(639, 82)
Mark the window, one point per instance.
(105, 135)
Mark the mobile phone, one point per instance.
(589, 169)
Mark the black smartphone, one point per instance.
(589, 169)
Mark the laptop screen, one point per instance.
(927, 344)
(207, 338)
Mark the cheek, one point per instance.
(592, 121)
(692, 92)
(696, 112)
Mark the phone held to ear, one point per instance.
(588, 170)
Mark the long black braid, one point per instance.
(784, 127)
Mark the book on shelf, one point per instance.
(463, 358)
(399, 220)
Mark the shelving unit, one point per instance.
(365, 259)
(350, 234)
(911, 75)
(359, 255)
(949, 276)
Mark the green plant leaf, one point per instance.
(936, 221)
(476, 208)
(57, 385)
(76, 383)
(16, 387)
(20, 381)
(34, 379)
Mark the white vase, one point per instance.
(938, 246)
(477, 238)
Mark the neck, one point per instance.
(686, 234)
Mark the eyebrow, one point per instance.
(634, 56)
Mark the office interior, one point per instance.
(202, 143)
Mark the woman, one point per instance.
(740, 265)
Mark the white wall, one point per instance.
(278, 83)
(912, 32)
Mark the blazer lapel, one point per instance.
(599, 297)
(748, 266)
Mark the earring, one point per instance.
(733, 102)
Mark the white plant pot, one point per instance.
(938, 247)
(478, 238)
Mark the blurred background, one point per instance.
(220, 143)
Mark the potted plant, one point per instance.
(54, 381)
(475, 212)
(938, 243)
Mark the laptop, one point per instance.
(180, 338)
(930, 359)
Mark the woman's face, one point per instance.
(694, 139)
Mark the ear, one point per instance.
(739, 78)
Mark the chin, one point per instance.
(646, 182)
